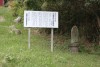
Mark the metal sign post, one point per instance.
(29, 31)
(51, 39)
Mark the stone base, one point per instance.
(74, 48)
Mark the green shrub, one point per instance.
(17, 8)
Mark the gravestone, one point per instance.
(74, 39)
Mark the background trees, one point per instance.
(85, 14)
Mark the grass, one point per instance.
(14, 51)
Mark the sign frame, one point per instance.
(49, 19)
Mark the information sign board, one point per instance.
(42, 19)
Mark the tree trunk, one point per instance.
(98, 19)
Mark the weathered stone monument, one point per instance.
(14, 30)
(17, 20)
(74, 39)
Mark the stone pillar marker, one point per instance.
(74, 34)
(74, 39)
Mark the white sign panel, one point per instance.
(42, 19)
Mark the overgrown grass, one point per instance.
(14, 51)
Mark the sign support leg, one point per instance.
(52, 40)
(29, 30)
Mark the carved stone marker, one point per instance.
(74, 39)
